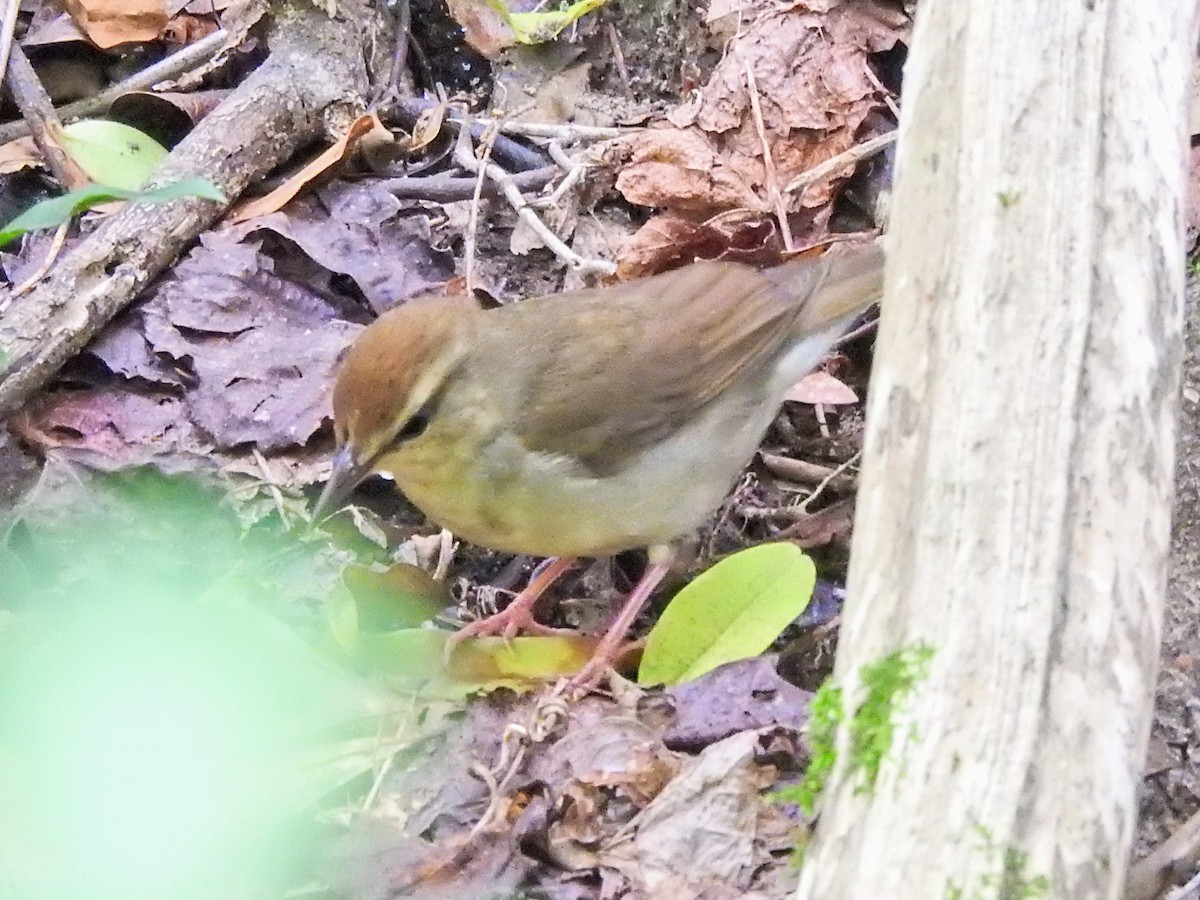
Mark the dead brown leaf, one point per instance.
(366, 234)
(740, 696)
(700, 830)
(483, 27)
(111, 22)
(333, 155)
(814, 90)
(667, 242)
(259, 351)
(682, 170)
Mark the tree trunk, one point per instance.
(1014, 511)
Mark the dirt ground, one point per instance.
(1172, 788)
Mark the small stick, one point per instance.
(828, 480)
(836, 163)
(774, 197)
(803, 472)
(567, 133)
(887, 95)
(8, 27)
(465, 158)
(446, 548)
(56, 245)
(400, 50)
(574, 172)
(271, 486)
(38, 112)
(1170, 862)
(614, 43)
(174, 65)
(449, 188)
(463, 148)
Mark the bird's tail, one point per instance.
(848, 281)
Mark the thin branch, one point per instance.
(450, 188)
(465, 158)
(37, 110)
(171, 67)
(835, 164)
(774, 196)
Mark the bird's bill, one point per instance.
(344, 478)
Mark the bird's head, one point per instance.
(389, 386)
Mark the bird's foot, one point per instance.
(516, 618)
(518, 615)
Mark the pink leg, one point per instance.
(518, 615)
(609, 647)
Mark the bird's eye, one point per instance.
(414, 427)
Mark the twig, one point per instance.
(804, 472)
(614, 43)
(272, 488)
(515, 742)
(450, 188)
(1189, 891)
(446, 548)
(390, 759)
(882, 88)
(835, 164)
(1169, 864)
(566, 132)
(463, 147)
(828, 479)
(864, 328)
(511, 154)
(799, 511)
(56, 245)
(465, 158)
(38, 112)
(400, 50)
(574, 172)
(174, 65)
(774, 196)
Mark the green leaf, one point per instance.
(52, 213)
(113, 153)
(539, 27)
(733, 611)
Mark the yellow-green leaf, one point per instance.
(733, 611)
(539, 27)
(415, 659)
(112, 153)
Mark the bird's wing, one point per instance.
(656, 352)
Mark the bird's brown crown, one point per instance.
(394, 366)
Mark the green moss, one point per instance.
(887, 683)
(1009, 883)
(825, 715)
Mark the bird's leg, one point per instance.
(609, 648)
(518, 615)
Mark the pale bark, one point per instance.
(1015, 500)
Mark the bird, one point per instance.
(587, 422)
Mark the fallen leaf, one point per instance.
(330, 157)
(365, 233)
(732, 611)
(739, 696)
(111, 22)
(700, 830)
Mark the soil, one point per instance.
(1172, 786)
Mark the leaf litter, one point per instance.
(232, 355)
